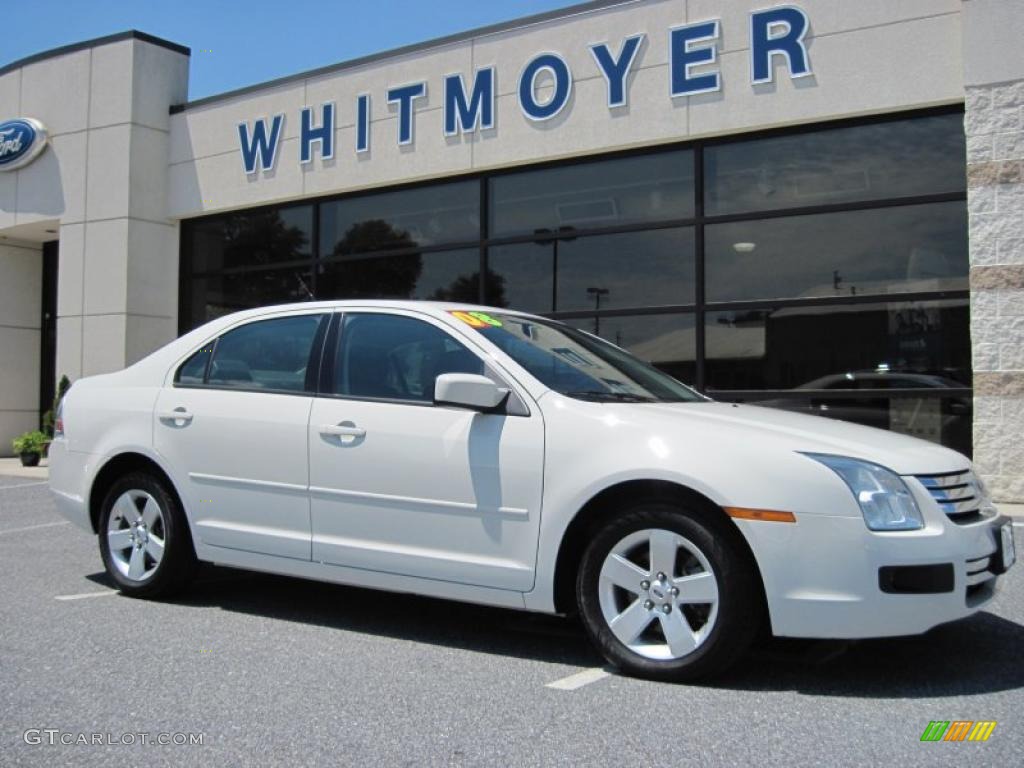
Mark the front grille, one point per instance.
(957, 494)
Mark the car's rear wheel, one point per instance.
(144, 538)
(669, 593)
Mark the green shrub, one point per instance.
(30, 442)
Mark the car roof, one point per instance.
(431, 307)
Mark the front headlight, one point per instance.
(885, 501)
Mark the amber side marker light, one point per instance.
(767, 515)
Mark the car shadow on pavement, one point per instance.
(977, 655)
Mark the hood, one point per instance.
(769, 429)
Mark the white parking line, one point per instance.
(578, 680)
(21, 485)
(35, 527)
(84, 595)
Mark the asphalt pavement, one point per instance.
(267, 670)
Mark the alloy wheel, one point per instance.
(658, 594)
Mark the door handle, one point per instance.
(342, 430)
(178, 414)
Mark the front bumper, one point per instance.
(70, 475)
(824, 575)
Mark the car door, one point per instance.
(401, 485)
(232, 426)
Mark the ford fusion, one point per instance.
(495, 457)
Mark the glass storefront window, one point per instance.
(667, 341)
(251, 239)
(630, 190)
(920, 344)
(410, 218)
(439, 275)
(632, 269)
(212, 296)
(875, 251)
(904, 158)
(818, 230)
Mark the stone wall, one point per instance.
(994, 123)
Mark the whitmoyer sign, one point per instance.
(775, 33)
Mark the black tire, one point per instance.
(178, 563)
(740, 611)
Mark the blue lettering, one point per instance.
(766, 42)
(689, 47)
(527, 87)
(259, 148)
(324, 134)
(616, 71)
(404, 97)
(462, 114)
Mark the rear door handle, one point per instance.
(178, 414)
(345, 429)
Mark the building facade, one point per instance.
(811, 206)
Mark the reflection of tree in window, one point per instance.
(466, 288)
(374, 277)
(256, 239)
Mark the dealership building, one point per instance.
(815, 206)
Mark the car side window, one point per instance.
(393, 357)
(267, 354)
(193, 371)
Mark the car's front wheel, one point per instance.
(144, 538)
(669, 593)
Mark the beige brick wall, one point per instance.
(994, 123)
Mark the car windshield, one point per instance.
(575, 363)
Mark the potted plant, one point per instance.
(30, 447)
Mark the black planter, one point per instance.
(30, 459)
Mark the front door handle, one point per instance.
(345, 429)
(178, 414)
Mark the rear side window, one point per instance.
(193, 371)
(392, 357)
(268, 354)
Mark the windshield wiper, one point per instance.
(610, 397)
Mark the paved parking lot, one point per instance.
(272, 670)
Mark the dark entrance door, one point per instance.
(48, 324)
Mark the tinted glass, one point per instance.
(269, 354)
(252, 239)
(632, 269)
(923, 156)
(906, 248)
(193, 370)
(666, 341)
(217, 295)
(919, 344)
(396, 358)
(443, 213)
(600, 194)
(440, 275)
(577, 364)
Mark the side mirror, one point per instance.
(469, 390)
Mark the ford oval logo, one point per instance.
(21, 141)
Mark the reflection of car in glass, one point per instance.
(501, 458)
(945, 419)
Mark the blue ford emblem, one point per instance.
(21, 140)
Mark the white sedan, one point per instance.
(496, 457)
